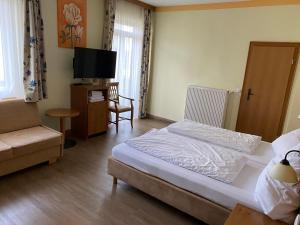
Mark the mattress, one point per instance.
(227, 195)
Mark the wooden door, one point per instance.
(266, 89)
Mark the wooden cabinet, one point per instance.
(93, 118)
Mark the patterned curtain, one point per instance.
(145, 64)
(109, 22)
(34, 53)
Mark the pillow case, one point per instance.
(279, 200)
(285, 142)
(297, 220)
(241, 142)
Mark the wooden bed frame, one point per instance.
(188, 202)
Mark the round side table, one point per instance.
(63, 113)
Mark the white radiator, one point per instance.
(206, 105)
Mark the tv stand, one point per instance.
(94, 82)
(93, 118)
(79, 84)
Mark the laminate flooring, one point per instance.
(77, 190)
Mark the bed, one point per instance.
(204, 198)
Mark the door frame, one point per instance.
(296, 45)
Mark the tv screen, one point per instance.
(94, 63)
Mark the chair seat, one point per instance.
(30, 140)
(120, 108)
(5, 152)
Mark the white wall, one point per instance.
(59, 60)
(210, 48)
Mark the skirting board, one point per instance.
(150, 116)
(188, 202)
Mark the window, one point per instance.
(128, 42)
(11, 48)
(2, 85)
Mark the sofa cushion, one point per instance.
(30, 140)
(16, 114)
(5, 152)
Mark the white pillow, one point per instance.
(278, 200)
(285, 142)
(230, 139)
(294, 158)
(297, 220)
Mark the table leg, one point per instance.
(62, 126)
(68, 143)
(62, 129)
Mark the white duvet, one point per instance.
(214, 161)
(246, 143)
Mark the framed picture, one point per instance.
(71, 23)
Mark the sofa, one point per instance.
(24, 141)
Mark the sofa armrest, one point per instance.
(62, 139)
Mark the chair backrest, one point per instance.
(113, 91)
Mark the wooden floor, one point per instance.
(77, 190)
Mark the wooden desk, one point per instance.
(242, 215)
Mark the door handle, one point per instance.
(249, 94)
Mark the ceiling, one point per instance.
(159, 3)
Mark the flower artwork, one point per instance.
(71, 23)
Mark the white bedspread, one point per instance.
(214, 161)
(234, 140)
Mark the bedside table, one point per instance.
(246, 216)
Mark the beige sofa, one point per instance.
(24, 141)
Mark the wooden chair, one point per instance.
(115, 107)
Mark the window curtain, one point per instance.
(145, 68)
(11, 48)
(34, 53)
(128, 42)
(109, 22)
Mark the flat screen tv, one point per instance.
(94, 63)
